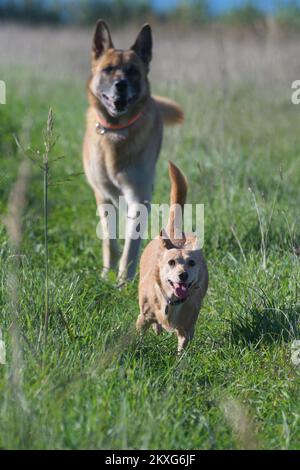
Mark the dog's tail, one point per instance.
(179, 187)
(170, 111)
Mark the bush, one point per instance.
(289, 16)
(31, 11)
(191, 12)
(245, 15)
(79, 12)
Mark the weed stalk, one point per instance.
(48, 143)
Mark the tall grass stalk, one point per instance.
(238, 242)
(34, 155)
(262, 231)
(48, 143)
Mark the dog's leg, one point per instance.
(184, 337)
(183, 341)
(132, 243)
(110, 248)
(142, 324)
(129, 258)
(157, 328)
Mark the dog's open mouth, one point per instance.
(117, 105)
(181, 289)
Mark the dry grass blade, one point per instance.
(262, 231)
(13, 222)
(240, 422)
(238, 242)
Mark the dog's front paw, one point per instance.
(157, 328)
(104, 273)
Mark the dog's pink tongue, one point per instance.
(181, 290)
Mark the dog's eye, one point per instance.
(171, 263)
(191, 262)
(132, 70)
(108, 69)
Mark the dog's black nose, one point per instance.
(121, 85)
(183, 276)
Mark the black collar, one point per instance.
(175, 302)
(169, 301)
(172, 302)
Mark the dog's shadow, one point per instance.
(265, 323)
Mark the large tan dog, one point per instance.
(123, 136)
(173, 274)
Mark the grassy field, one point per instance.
(95, 384)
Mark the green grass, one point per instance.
(97, 385)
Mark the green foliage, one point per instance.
(245, 15)
(187, 12)
(8, 126)
(115, 12)
(288, 16)
(191, 12)
(31, 11)
(79, 11)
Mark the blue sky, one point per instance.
(218, 6)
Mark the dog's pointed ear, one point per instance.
(102, 39)
(143, 45)
(165, 240)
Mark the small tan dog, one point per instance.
(173, 275)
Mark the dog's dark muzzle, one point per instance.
(121, 86)
(120, 94)
(120, 103)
